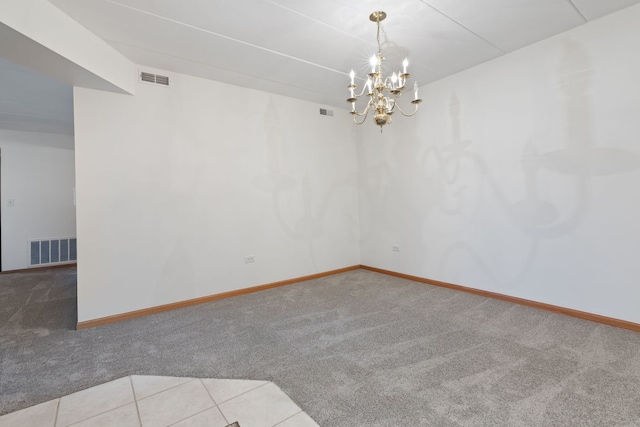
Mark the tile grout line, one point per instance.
(214, 402)
(135, 399)
(204, 410)
(245, 392)
(190, 379)
(97, 415)
(55, 417)
(192, 415)
(288, 418)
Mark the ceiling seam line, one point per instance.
(318, 21)
(226, 37)
(463, 26)
(207, 65)
(578, 10)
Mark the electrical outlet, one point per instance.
(250, 258)
(11, 202)
(395, 248)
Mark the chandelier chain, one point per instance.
(378, 38)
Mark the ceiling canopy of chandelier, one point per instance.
(383, 92)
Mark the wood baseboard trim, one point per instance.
(187, 303)
(521, 301)
(44, 267)
(610, 321)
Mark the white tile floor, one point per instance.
(151, 401)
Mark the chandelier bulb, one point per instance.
(404, 65)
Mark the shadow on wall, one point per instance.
(457, 180)
(387, 188)
(295, 205)
(579, 161)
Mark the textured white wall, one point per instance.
(520, 176)
(176, 185)
(38, 175)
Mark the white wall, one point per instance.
(176, 185)
(38, 175)
(520, 176)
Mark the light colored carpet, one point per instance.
(355, 349)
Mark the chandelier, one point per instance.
(382, 91)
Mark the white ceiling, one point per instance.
(32, 102)
(306, 49)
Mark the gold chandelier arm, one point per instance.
(365, 113)
(364, 87)
(410, 114)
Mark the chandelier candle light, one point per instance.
(382, 92)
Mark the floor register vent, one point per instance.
(154, 78)
(53, 251)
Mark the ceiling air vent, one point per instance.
(154, 78)
(325, 112)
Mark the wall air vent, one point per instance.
(52, 251)
(154, 78)
(325, 112)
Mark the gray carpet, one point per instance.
(355, 349)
